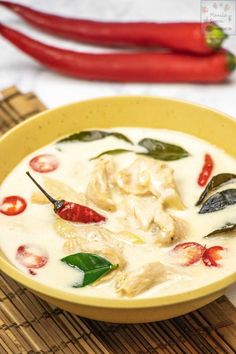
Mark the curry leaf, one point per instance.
(92, 135)
(216, 182)
(162, 151)
(227, 228)
(111, 152)
(219, 201)
(92, 265)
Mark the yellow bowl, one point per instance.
(204, 123)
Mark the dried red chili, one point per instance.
(206, 171)
(71, 211)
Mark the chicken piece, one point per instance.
(114, 257)
(100, 186)
(167, 228)
(163, 184)
(96, 243)
(98, 246)
(163, 228)
(135, 179)
(147, 213)
(181, 228)
(149, 176)
(133, 283)
(138, 212)
(67, 230)
(91, 239)
(57, 190)
(72, 245)
(101, 243)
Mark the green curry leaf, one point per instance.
(227, 228)
(219, 201)
(162, 151)
(92, 265)
(92, 135)
(216, 182)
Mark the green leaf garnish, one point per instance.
(162, 151)
(92, 135)
(93, 266)
(216, 182)
(111, 152)
(219, 201)
(227, 228)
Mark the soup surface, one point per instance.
(133, 228)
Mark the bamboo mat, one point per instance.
(30, 325)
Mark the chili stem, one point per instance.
(49, 197)
(215, 36)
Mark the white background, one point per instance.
(53, 89)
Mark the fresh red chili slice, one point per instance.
(212, 256)
(188, 252)
(13, 205)
(31, 256)
(206, 171)
(44, 163)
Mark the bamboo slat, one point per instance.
(30, 325)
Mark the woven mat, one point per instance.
(30, 325)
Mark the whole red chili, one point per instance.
(71, 211)
(126, 67)
(194, 37)
(206, 170)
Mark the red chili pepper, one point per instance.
(71, 211)
(195, 37)
(44, 163)
(206, 171)
(13, 205)
(75, 212)
(31, 256)
(189, 252)
(212, 255)
(126, 67)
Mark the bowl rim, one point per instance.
(107, 302)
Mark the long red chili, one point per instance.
(71, 211)
(206, 171)
(126, 67)
(193, 37)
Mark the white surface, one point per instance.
(18, 69)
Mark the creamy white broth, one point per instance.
(35, 224)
